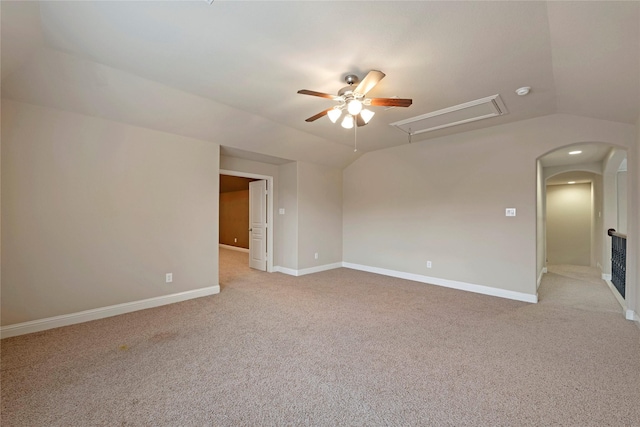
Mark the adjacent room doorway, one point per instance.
(258, 226)
(570, 226)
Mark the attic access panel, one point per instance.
(472, 111)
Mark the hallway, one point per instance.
(577, 287)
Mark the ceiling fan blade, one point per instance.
(319, 115)
(390, 102)
(369, 81)
(314, 93)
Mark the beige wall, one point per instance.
(540, 222)
(264, 169)
(288, 200)
(248, 166)
(126, 188)
(443, 200)
(94, 213)
(569, 216)
(319, 215)
(234, 218)
(633, 224)
(621, 186)
(610, 213)
(311, 196)
(598, 231)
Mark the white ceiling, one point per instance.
(574, 176)
(591, 152)
(229, 72)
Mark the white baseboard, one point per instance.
(628, 313)
(463, 286)
(606, 277)
(102, 312)
(304, 271)
(616, 294)
(233, 248)
(285, 270)
(544, 271)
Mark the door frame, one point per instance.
(270, 215)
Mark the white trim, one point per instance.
(319, 268)
(102, 312)
(543, 272)
(233, 248)
(285, 270)
(606, 276)
(494, 101)
(616, 294)
(270, 216)
(628, 313)
(310, 270)
(463, 286)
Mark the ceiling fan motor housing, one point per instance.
(351, 79)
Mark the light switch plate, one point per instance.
(510, 212)
(281, 211)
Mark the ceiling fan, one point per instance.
(353, 100)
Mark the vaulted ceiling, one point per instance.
(229, 72)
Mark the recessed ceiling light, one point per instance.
(575, 152)
(571, 182)
(523, 90)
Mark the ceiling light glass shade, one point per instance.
(334, 114)
(366, 115)
(354, 107)
(347, 123)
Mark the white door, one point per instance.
(258, 225)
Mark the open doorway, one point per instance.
(578, 201)
(246, 208)
(571, 224)
(234, 212)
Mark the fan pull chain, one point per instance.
(355, 138)
(409, 136)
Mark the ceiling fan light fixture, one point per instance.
(354, 107)
(334, 114)
(354, 99)
(366, 115)
(347, 122)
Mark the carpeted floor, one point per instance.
(341, 347)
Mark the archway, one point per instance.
(599, 165)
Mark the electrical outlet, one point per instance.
(235, 240)
(428, 264)
(169, 278)
(316, 255)
(510, 212)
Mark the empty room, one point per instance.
(320, 213)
